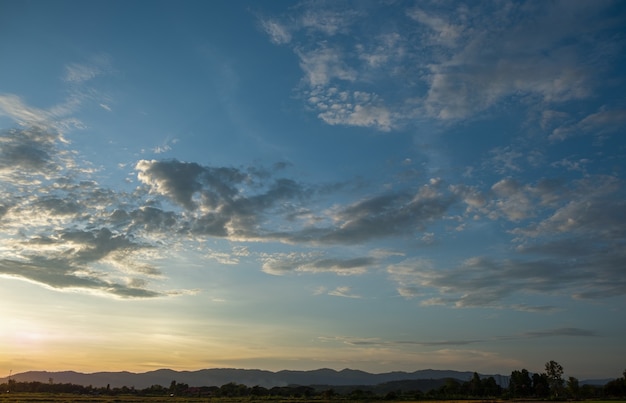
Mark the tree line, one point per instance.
(550, 384)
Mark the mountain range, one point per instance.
(253, 377)
(248, 377)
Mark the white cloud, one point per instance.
(327, 21)
(604, 122)
(513, 201)
(97, 65)
(337, 110)
(323, 65)
(278, 33)
(344, 292)
(409, 276)
(461, 61)
(13, 107)
(445, 32)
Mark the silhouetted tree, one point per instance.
(541, 385)
(259, 391)
(475, 387)
(490, 387)
(573, 389)
(328, 394)
(172, 387)
(616, 387)
(520, 384)
(554, 370)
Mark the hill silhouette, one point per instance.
(248, 377)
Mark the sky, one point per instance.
(375, 185)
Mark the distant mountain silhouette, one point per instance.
(248, 377)
(595, 382)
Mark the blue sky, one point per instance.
(378, 185)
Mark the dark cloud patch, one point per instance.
(148, 219)
(488, 282)
(388, 215)
(225, 201)
(564, 331)
(95, 245)
(58, 206)
(211, 224)
(58, 274)
(189, 184)
(574, 248)
(27, 150)
(65, 261)
(344, 263)
(302, 263)
(558, 332)
(176, 180)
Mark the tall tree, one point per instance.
(490, 387)
(475, 386)
(541, 386)
(520, 384)
(572, 387)
(554, 370)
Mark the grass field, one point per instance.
(69, 398)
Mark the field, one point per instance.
(70, 398)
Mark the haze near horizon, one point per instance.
(376, 185)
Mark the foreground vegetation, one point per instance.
(549, 385)
(67, 398)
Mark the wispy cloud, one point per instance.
(280, 264)
(324, 65)
(599, 124)
(278, 33)
(95, 66)
(466, 59)
(344, 292)
(60, 117)
(375, 341)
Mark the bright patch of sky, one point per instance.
(375, 185)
